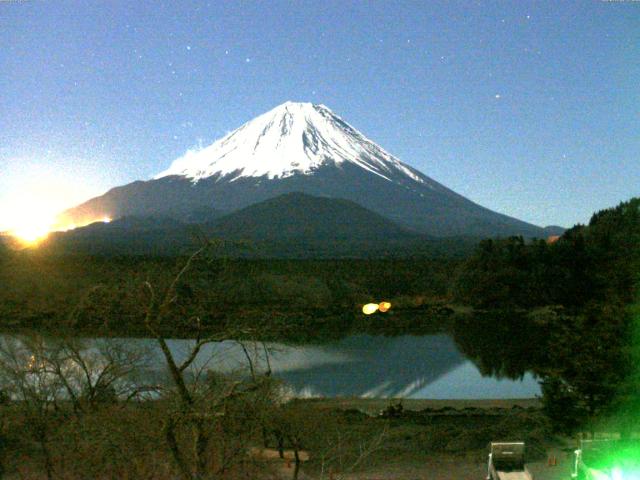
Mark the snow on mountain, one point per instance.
(306, 148)
(292, 138)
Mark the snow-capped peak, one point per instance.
(293, 138)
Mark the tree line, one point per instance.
(580, 300)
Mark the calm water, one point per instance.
(362, 365)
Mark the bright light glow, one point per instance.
(370, 308)
(32, 224)
(29, 221)
(384, 306)
(616, 474)
(33, 195)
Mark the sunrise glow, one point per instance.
(31, 234)
(34, 226)
(31, 219)
(34, 198)
(29, 222)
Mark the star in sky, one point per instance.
(447, 68)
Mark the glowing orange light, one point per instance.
(63, 226)
(30, 224)
(384, 307)
(38, 190)
(31, 234)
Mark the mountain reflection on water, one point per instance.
(407, 366)
(477, 359)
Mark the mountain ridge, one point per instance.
(301, 148)
(292, 225)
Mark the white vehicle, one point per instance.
(506, 462)
(607, 460)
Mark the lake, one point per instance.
(406, 366)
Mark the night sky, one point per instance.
(529, 108)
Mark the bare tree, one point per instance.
(44, 376)
(97, 371)
(199, 406)
(27, 380)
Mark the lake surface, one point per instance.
(360, 365)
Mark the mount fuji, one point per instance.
(299, 147)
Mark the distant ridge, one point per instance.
(292, 225)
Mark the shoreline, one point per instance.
(372, 406)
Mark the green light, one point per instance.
(611, 459)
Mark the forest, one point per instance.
(566, 311)
(582, 302)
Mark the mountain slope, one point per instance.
(125, 236)
(294, 138)
(293, 225)
(300, 147)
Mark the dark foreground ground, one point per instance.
(368, 439)
(447, 439)
(459, 469)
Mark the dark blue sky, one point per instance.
(529, 108)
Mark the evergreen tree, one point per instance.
(586, 369)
